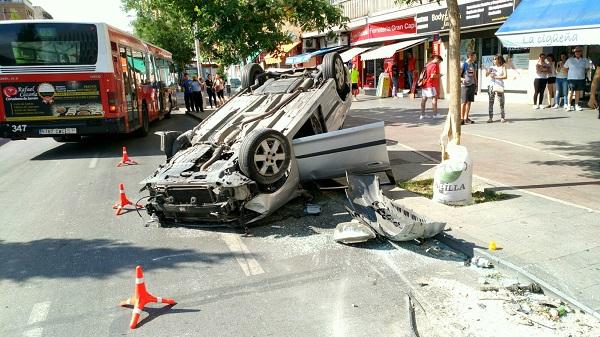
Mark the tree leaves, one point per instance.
(232, 30)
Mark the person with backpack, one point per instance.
(429, 83)
(468, 87)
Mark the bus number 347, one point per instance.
(19, 128)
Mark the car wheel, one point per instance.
(265, 156)
(333, 67)
(143, 131)
(249, 74)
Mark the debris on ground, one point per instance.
(352, 232)
(312, 209)
(481, 262)
(385, 217)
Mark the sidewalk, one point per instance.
(547, 160)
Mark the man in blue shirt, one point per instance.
(187, 92)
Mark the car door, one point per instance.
(360, 149)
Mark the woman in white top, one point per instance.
(497, 75)
(561, 82)
(541, 79)
(551, 62)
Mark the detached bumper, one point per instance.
(83, 127)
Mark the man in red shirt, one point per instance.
(430, 85)
(411, 63)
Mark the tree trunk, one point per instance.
(451, 132)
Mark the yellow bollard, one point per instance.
(492, 245)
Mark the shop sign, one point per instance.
(472, 14)
(382, 30)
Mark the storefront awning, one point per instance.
(273, 58)
(307, 56)
(349, 54)
(389, 50)
(535, 23)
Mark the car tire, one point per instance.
(333, 67)
(265, 156)
(143, 131)
(249, 74)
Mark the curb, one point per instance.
(502, 264)
(194, 116)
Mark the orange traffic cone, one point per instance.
(141, 297)
(123, 201)
(125, 159)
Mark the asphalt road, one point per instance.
(66, 260)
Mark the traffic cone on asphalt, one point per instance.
(123, 201)
(141, 297)
(125, 159)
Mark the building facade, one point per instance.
(21, 10)
(377, 27)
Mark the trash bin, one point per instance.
(453, 180)
(228, 89)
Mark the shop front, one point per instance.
(529, 29)
(378, 48)
(479, 20)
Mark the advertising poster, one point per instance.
(51, 100)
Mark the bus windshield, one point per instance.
(24, 44)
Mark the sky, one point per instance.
(108, 11)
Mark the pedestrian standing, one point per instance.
(394, 75)
(551, 62)
(219, 89)
(197, 95)
(540, 81)
(210, 90)
(468, 87)
(354, 74)
(561, 82)
(576, 68)
(497, 73)
(429, 86)
(187, 93)
(411, 67)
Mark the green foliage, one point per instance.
(231, 30)
(221, 72)
(163, 27)
(14, 15)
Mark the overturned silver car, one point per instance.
(250, 156)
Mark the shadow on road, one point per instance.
(154, 313)
(590, 163)
(98, 258)
(109, 146)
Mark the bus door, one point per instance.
(130, 87)
(159, 83)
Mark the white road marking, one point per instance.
(518, 145)
(499, 184)
(39, 312)
(94, 161)
(37, 332)
(242, 254)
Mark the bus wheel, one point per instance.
(143, 131)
